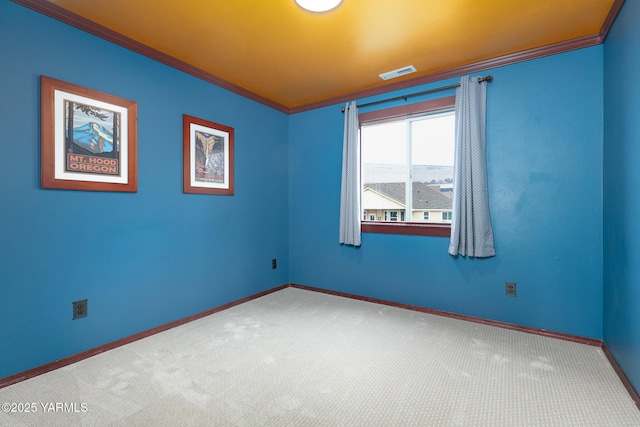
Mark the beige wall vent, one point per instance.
(398, 73)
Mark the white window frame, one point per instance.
(393, 114)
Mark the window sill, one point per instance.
(411, 228)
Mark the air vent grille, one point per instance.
(399, 72)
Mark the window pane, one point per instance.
(432, 150)
(384, 168)
(407, 168)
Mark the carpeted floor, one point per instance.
(301, 358)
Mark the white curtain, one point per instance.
(350, 192)
(471, 231)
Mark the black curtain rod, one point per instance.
(487, 79)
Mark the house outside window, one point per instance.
(407, 166)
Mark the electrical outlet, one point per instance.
(80, 309)
(510, 289)
(274, 263)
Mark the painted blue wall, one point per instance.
(622, 191)
(545, 132)
(142, 259)
(148, 258)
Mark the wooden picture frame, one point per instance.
(88, 139)
(208, 156)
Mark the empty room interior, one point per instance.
(94, 265)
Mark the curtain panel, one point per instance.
(471, 231)
(350, 187)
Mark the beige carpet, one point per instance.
(301, 358)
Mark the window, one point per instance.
(407, 167)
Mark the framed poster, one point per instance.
(207, 150)
(88, 139)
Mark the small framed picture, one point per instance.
(207, 157)
(88, 139)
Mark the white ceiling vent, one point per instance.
(399, 72)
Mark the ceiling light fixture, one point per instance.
(318, 5)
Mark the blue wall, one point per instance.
(148, 258)
(545, 131)
(622, 191)
(142, 259)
